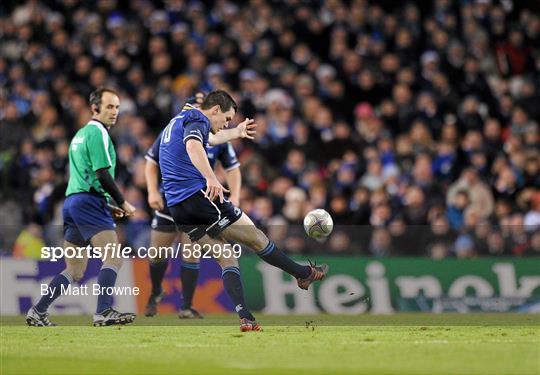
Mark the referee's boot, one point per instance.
(35, 318)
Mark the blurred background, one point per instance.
(415, 124)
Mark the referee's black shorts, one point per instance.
(198, 215)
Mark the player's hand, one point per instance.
(247, 129)
(155, 200)
(128, 208)
(215, 190)
(235, 200)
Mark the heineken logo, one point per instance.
(376, 287)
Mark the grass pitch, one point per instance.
(396, 344)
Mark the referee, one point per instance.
(87, 216)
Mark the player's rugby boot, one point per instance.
(317, 273)
(247, 325)
(190, 313)
(151, 305)
(111, 317)
(36, 319)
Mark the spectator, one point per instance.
(381, 243)
(456, 209)
(464, 247)
(479, 194)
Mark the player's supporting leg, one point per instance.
(245, 232)
(232, 283)
(158, 267)
(105, 314)
(189, 274)
(74, 272)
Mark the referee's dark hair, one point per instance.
(221, 98)
(96, 96)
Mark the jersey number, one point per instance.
(168, 130)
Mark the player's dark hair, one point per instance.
(97, 95)
(221, 98)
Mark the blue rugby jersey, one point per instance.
(180, 178)
(224, 153)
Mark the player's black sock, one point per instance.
(271, 254)
(62, 279)
(235, 290)
(106, 278)
(189, 273)
(157, 271)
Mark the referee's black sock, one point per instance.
(53, 291)
(157, 271)
(235, 290)
(272, 255)
(189, 273)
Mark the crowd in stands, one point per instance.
(414, 124)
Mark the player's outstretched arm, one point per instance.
(198, 157)
(246, 129)
(151, 173)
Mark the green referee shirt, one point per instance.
(91, 149)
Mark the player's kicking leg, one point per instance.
(38, 315)
(215, 218)
(105, 314)
(245, 232)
